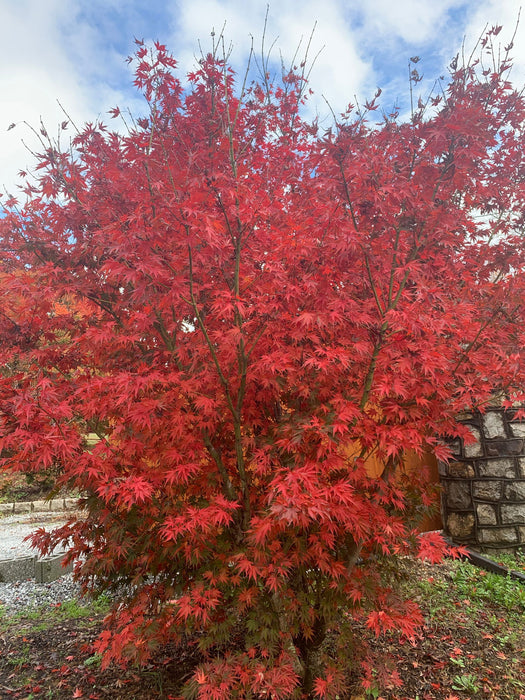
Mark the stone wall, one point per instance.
(483, 498)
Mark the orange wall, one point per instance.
(411, 463)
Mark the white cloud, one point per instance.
(414, 21)
(37, 69)
(75, 51)
(489, 13)
(33, 74)
(339, 71)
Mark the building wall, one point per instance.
(483, 497)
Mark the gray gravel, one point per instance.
(16, 596)
(14, 528)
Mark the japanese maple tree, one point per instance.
(242, 308)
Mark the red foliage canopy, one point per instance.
(227, 297)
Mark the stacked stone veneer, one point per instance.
(483, 497)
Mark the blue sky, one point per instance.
(75, 51)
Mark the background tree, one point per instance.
(243, 309)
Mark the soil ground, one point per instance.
(463, 651)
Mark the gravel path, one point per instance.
(16, 596)
(14, 528)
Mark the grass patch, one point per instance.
(482, 587)
(44, 617)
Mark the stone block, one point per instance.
(474, 449)
(514, 447)
(514, 513)
(515, 491)
(498, 448)
(50, 568)
(494, 551)
(24, 507)
(57, 504)
(498, 535)
(486, 514)
(71, 503)
(521, 462)
(461, 470)
(458, 495)
(493, 426)
(40, 506)
(6, 508)
(521, 467)
(497, 467)
(487, 490)
(455, 447)
(517, 429)
(461, 525)
(497, 399)
(521, 532)
(18, 569)
(443, 468)
(465, 415)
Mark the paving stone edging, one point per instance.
(56, 505)
(41, 569)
